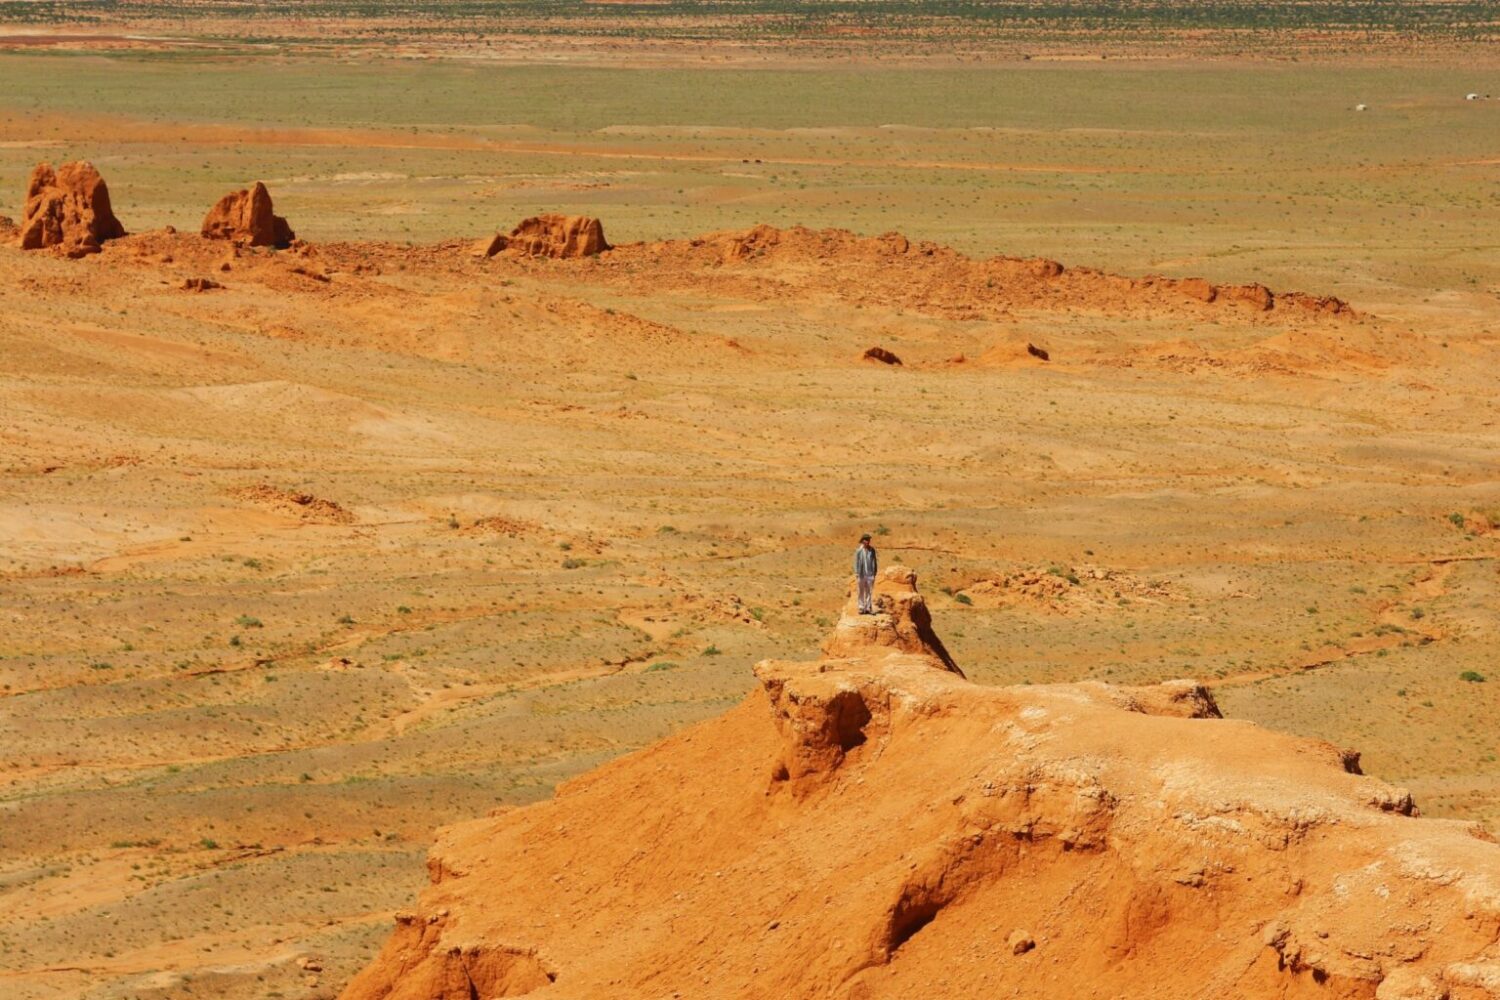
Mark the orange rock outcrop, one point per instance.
(68, 209)
(871, 824)
(247, 216)
(550, 236)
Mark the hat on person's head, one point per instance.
(864, 538)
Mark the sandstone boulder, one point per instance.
(68, 209)
(246, 216)
(882, 355)
(557, 236)
(1197, 288)
(901, 623)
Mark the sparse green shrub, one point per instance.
(248, 621)
(661, 665)
(963, 599)
(711, 650)
(571, 563)
(1472, 676)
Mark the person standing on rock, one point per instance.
(865, 563)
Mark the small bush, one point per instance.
(711, 651)
(1456, 518)
(571, 563)
(1472, 676)
(248, 621)
(963, 599)
(661, 665)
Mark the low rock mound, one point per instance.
(929, 277)
(882, 355)
(68, 208)
(558, 236)
(1066, 589)
(872, 825)
(247, 217)
(303, 506)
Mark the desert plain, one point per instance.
(384, 534)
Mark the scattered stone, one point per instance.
(1256, 296)
(200, 285)
(68, 209)
(1322, 305)
(557, 236)
(1020, 942)
(303, 505)
(1037, 352)
(882, 355)
(246, 216)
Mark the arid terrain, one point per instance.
(308, 552)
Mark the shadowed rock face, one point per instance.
(68, 209)
(870, 824)
(557, 236)
(247, 217)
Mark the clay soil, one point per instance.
(382, 535)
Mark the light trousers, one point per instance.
(866, 593)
